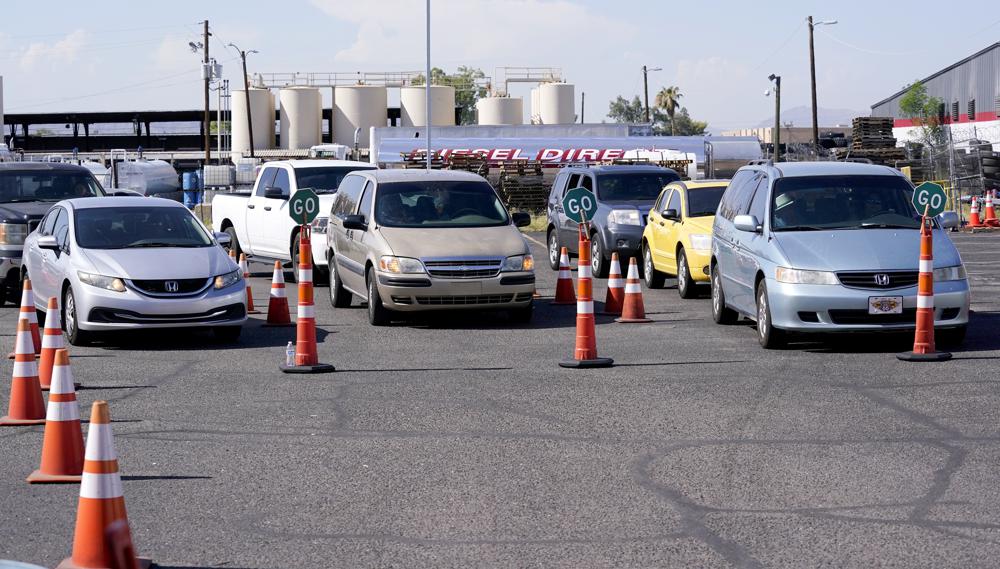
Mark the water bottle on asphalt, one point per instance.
(290, 355)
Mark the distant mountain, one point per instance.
(802, 116)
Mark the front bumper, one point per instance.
(699, 263)
(10, 272)
(625, 239)
(99, 309)
(418, 292)
(835, 308)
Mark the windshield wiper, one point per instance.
(805, 228)
(161, 244)
(886, 226)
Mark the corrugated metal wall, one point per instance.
(974, 79)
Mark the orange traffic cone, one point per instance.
(28, 311)
(564, 285)
(52, 340)
(232, 254)
(991, 214)
(585, 354)
(26, 405)
(245, 271)
(923, 340)
(277, 305)
(615, 298)
(306, 356)
(974, 220)
(101, 500)
(633, 310)
(62, 447)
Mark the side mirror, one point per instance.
(355, 222)
(48, 242)
(223, 239)
(521, 219)
(948, 220)
(274, 193)
(671, 213)
(748, 223)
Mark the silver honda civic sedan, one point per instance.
(121, 263)
(829, 247)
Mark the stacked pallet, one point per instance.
(522, 185)
(418, 160)
(884, 156)
(475, 163)
(872, 132)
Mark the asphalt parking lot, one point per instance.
(458, 442)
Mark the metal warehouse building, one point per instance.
(970, 93)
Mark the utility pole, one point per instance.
(645, 89)
(583, 101)
(207, 72)
(246, 94)
(776, 137)
(812, 76)
(427, 86)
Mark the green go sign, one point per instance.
(304, 206)
(931, 197)
(579, 204)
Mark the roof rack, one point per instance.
(761, 162)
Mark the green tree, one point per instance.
(681, 124)
(922, 109)
(668, 99)
(467, 92)
(621, 110)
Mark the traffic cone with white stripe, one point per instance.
(615, 299)
(633, 310)
(585, 354)
(277, 304)
(28, 311)
(245, 271)
(974, 220)
(991, 214)
(232, 254)
(62, 447)
(26, 406)
(306, 355)
(923, 340)
(564, 285)
(101, 500)
(52, 340)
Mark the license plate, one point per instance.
(885, 305)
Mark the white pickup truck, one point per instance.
(258, 223)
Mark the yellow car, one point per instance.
(677, 240)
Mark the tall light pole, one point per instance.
(645, 87)
(208, 112)
(776, 136)
(427, 86)
(812, 74)
(246, 93)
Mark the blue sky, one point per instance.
(118, 55)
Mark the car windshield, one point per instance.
(633, 186)
(323, 180)
(704, 201)
(135, 227)
(811, 203)
(438, 204)
(46, 185)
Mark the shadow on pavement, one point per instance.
(139, 478)
(254, 335)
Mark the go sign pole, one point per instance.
(929, 198)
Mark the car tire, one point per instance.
(234, 243)
(721, 313)
(770, 338)
(227, 334)
(685, 284)
(523, 314)
(321, 275)
(951, 337)
(71, 321)
(598, 262)
(378, 314)
(295, 260)
(651, 277)
(340, 297)
(554, 249)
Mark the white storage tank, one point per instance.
(301, 117)
(412, 103)
(500, 110)
(262, 113)
(535, 106)
(358, 106)
(555, 103)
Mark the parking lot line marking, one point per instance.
(533, 240)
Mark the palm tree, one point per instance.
(668, 99)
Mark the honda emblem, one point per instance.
(171, 286)
(882, 279)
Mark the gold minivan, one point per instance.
(414, 240)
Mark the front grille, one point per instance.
(867, 279)
(909, 316)
(461, 268)
(117, 316)
(159, 287)
(466, 299)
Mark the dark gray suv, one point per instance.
(624, 195)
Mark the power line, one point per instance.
(119, 30)
(780, 47)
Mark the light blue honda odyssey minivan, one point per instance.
(829, 247)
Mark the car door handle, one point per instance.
(250, 206)
(267, 208)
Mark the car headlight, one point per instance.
(101, 281)
(701, 242)
(228, 279)
(624, 217)
(13, 233)
(956, 273)
(319, 224)
(519, 263)
(400, 265)
(799, 276)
